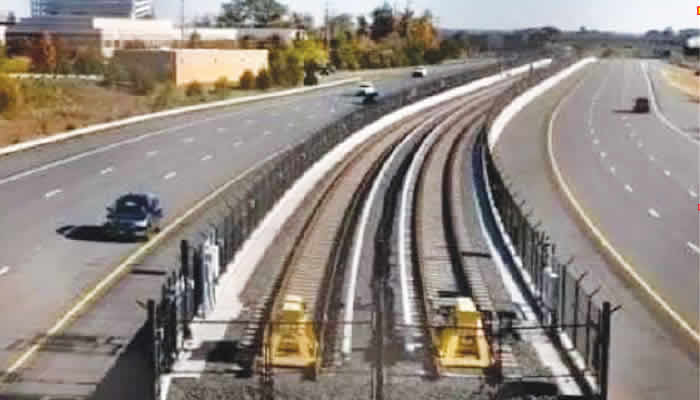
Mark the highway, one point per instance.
(649, 359)
(682, 114)
(637, 178)
(54, 197)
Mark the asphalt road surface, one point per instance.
(648, 361)
(637, 178)
(682, 113)
(54, 197)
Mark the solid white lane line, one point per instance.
(151, 153)
(692, 246)
(5, 269)
(692, 193)
(628, 188)
(654, 213)
(207, 157)
(237, 144)
(107, 171)
(188, 140)
(170, 175)
(52, 193)
(267, 133)
(667, 172)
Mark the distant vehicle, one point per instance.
(327, 69)
(370, 98)
(420, 72)
(641, 105)
(366, 88)
(134, 215)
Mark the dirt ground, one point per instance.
(68, 105)
(683, 79)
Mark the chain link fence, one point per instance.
(563, 302)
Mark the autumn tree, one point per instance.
(362, 26)
(258, 12)
(44, 54)
(382, 22)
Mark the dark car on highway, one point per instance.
(641, 105)
(134, 215)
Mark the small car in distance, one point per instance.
(365, 89)
(420, 72)
(641, 105)
(134, 215)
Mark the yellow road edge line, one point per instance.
(619, 258)
(116, 274)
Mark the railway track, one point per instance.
(378, 206)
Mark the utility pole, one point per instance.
(327, 26)
(182, 21)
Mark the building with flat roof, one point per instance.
(109, 34)
(94, 8)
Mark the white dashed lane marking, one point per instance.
(237, 144)
(667, 172)
(603, 154)
(654, 213)
(628, 188)
(652, 158)
(207, 157)
(692, 193)
(267, 133)
(291, 124)
(188, 140)
(596, 141)
(4, 269)
(692, 246)
(151, 153)
(249, 121)
(170, 175)
(612, 170)
(221, 130)
(107, 171)
(53, 193)
(640, 144)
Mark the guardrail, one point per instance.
(96, 78)
(242, 206)
(577, 318)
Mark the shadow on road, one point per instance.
(91, 233)
(621, 111)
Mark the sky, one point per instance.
(617, 15)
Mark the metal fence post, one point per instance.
(155, 347)
(605, 350)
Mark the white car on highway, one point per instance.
(365, 89)
(420, 72)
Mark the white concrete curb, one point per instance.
(546, 352)
(494, 134)
(168, 113)
(526, 98)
